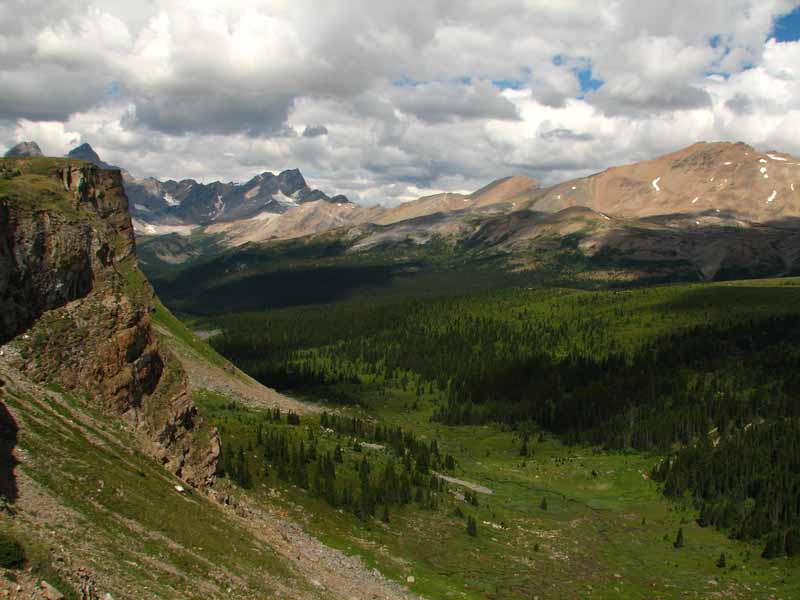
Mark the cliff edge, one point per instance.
(78, 309)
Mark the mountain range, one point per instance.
(706, 184)
(164, 206)
(703, 211)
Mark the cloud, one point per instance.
(312, 131)
(739, 104)
(438, 102)
(425, 96)
(566, 135)
(214, 112)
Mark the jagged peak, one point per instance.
(84, 149)
(87, 153)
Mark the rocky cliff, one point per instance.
(78, 308)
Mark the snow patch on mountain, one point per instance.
(219, 208)
(285, 199)
(143, 227)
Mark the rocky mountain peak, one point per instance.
(84, 152)
(87, 153)
(24, 149)
(290, 181)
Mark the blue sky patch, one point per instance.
(588, 83)
(405, 82)
(114, 89)
(787, 27)
(582, 70)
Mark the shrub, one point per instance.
(11, 553)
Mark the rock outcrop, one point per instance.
(80, 309)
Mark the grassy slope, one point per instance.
(27, 182)
(115, 510)
(184, 336)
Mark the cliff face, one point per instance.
(74, 299)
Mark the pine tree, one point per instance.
(385, 515)
(774, 547)
(543, 504)
(472, 526)
(678, 543)
(721, 561)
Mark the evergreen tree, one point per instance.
(678, 543)
(543, 504)
(774, 547)
(472, 526)
(721, 561)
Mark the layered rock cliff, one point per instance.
(79, 309)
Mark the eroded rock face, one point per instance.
(69, 281)
(49, 256)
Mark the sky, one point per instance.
(385, 101)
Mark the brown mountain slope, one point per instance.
(305, 219)
(507, 189)
(500, 191)
(718, 176)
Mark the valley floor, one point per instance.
(606, 531)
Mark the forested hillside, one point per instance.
(704, 374)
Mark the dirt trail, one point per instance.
(470, 486)
(231, 382)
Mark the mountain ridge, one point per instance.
(734, 180)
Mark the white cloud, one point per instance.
(216, 90)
